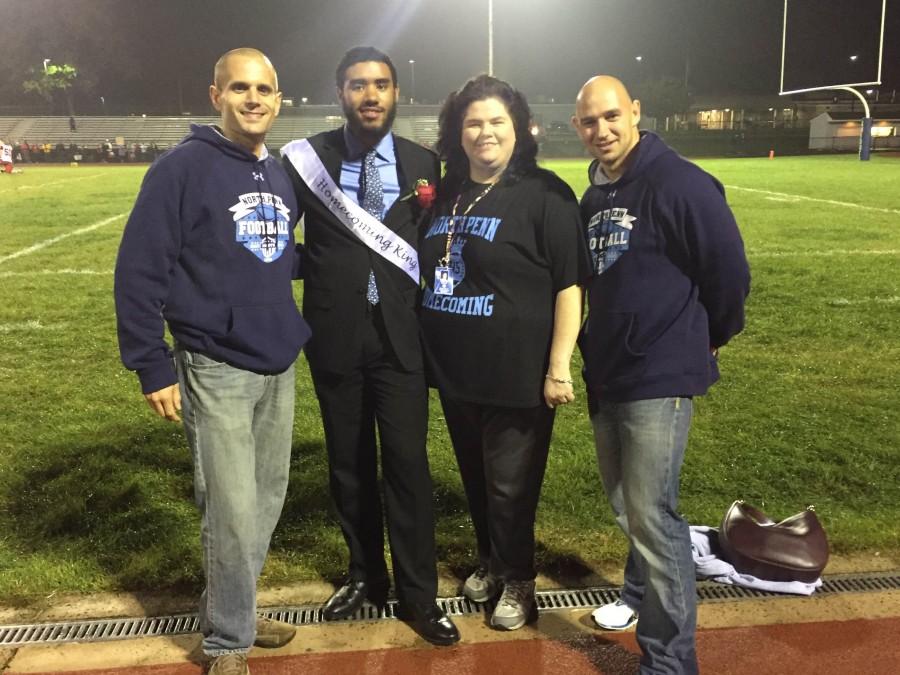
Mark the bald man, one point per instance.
(668, 290)
(209, 249)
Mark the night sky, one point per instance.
(146, 56)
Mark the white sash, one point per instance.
(368, 229)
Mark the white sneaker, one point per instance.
(615, 616)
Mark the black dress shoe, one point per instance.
(347, 599)
(429, 621)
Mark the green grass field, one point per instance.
(95, 491)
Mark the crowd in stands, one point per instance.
(24, 152)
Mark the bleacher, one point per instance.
(424, 129)
(287, 129)
(6, 126)
(91, 132)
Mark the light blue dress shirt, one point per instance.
(385, 161)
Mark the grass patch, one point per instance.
(96, 493)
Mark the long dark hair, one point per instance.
(449, 145)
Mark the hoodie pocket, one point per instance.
(267, 331)
(612, 348)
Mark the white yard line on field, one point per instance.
(66, 271)
(55, 182)
(789, 200)
(66, 235)
(828, 253)
(28, 325)
(840, 302)
(786, 195)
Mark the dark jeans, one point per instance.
(502, 454)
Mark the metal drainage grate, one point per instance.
(99, 630)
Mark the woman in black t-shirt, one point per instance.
(502, 258)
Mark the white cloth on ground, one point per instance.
(710, 566)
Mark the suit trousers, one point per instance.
(377, 393)
(502, 454)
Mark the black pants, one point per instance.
(376, 391)
(502, 454)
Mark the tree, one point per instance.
(79, 32)
(52, 79)
(663, 97)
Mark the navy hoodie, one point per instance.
(209, 246)
(670, 277)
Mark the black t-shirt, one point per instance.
(489, 342)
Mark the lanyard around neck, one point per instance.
(450, 226)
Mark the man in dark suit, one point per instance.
(356, 186)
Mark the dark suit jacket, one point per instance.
(335, 264)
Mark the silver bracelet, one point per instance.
(558, 380)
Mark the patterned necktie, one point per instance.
(373, 202)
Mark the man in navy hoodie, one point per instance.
(669, 285)
(209, 248)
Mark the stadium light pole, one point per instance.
(491, 37)
(412, 81)
(46, 61)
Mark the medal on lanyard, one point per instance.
(443, 275)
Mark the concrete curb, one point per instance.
(65, 607)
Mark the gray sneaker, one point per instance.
(229, 664)
(481, 586)
(515, 606)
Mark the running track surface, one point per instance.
(855, 647)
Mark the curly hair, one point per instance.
(449, 144)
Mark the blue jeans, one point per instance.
(640, 449)
(239, 426)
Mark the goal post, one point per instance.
(840, 82)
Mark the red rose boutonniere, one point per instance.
(424, 192)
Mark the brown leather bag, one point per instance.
(796, 549)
